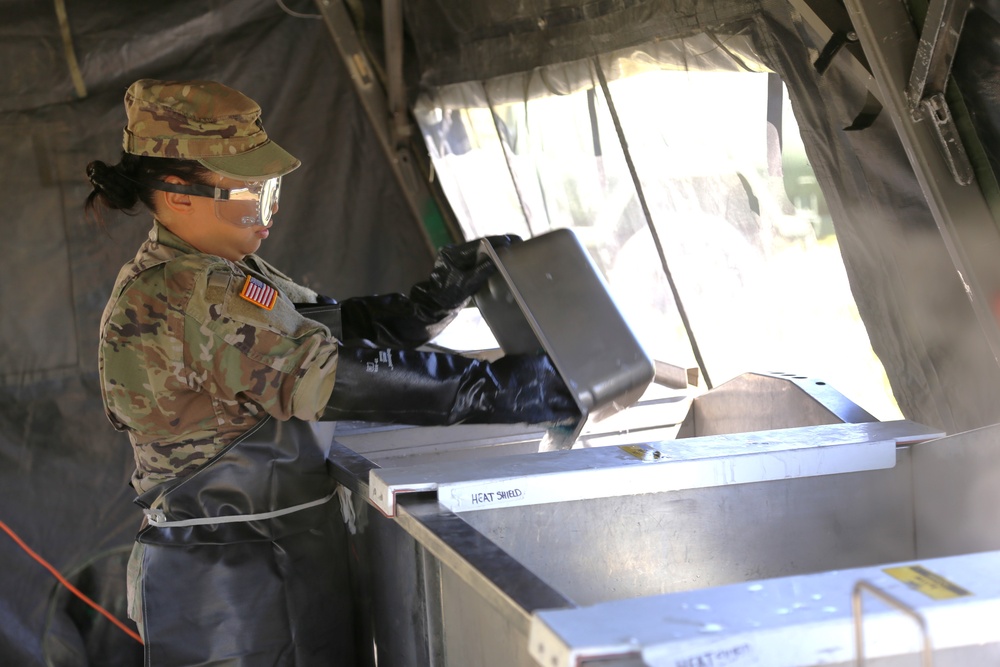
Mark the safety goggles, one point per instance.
(249, 206)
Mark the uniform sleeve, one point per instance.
(240, 349)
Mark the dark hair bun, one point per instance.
(114, 189)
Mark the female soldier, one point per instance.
(212, 370)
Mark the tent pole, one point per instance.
(425, 204)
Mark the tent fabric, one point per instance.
(918, 316)
(458, 41)
(344, 229)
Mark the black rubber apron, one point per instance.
(245, 559)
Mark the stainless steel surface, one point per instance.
(485, 599)
(655, 417)
(785, 622)
(597, 550)
(396, 446)
(475, 633)
(431, 588)
(498, 566)
(763, 401)
(957, 493)
(501, 579)
(749, 572)
(857, 612)
(548, 295)
(430, 583)
(754, 573)
(627, 470)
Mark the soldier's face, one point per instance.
(216, 233)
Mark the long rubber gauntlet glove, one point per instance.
(398, 321)
(431, 388)
(384, 320)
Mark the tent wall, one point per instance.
(919, 318)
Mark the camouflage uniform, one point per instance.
(212, 372)
(187, 364)
(188, 369)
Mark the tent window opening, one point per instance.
(728, 189)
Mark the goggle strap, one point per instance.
(197, 189)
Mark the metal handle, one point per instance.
(857, 612)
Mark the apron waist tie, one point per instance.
(158, 519)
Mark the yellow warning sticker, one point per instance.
(924, 581)
(642, 452)
(637, 451)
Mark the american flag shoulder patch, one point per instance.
(257, 292)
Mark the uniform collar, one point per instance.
(163, 236)
(160, 237)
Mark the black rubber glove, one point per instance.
(458, 273)
(384, 320)
(397, 321)
(436, 389)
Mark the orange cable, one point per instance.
(73, 589)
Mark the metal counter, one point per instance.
(734, 549)
(941, 614)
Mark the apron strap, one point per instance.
(158, 519)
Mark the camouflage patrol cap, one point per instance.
(204, 121)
